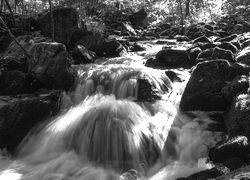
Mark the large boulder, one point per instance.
(13, 82)
(233, 152)
(220, 53)
(51, 65)
(5, 40)
(237, 117)
(173, 58)
(81, 55)
(240, 84)
(18, 116)
(138, 18)
(244, 56)
(64, 19)
(110, 48)
(203, 90)
(49, 62)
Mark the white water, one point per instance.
(105, 132)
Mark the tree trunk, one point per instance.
(187, 8)
(51, 22)
(11, 13)
(1, 8)
(182, 18)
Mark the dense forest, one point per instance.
(124, 89)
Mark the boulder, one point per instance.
(12, 82)
(240, 84)
(205, 46)
(91, 41)
(219, 53)
(202, 39)
(50, 65)
(74, 35)
(206, 174)
(19, 116)
(110, 48)
(209, 27)
(5, 41)
(233, 152)
(14, 58)
(244, 56)
(64, 19)
(203, 90)
(228, 38)
(173, 58)
(237, 117)
(81, 55)
(193, 54)
(228, 46)
(205, 55)
(138, 18)
(246, 43)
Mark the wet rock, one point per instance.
(205, 55)
(173, 58)
(110, 48)
(136, 47)
(50, 65)
(81, 55)
(240, 84)
(64, 19)
(193, 54)
(219, 53)
(12, 82)
(209, 27)
(206, 174)
(205, 46)
(14, 58)
(228, 38)
(237, 117)
(91, 41)
(19, 116)
(74, 35)
(173, 76)
(138, 18)
(245, 44)
(236, 43)
(203, 90)
(228, 46)
(5, 41)
(233, 152)
(180, 38)
(244, 56)
(202, 39)
(146, 91)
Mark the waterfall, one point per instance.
(108, 131)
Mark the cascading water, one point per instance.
(119, 122)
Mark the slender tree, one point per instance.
(11, 13)
(187, 8)
(51, 22)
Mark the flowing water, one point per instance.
(108, 130)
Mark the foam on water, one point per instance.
(105, 133)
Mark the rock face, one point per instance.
(50, 62)
(138, 18)
(203, 91)
(81, 55)
(64, 19)
(50, 65)
(219, 53)
(12, 82)
(244, 56)
(233, 153)
(237, 118)
(173, 58)
(19, 116)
